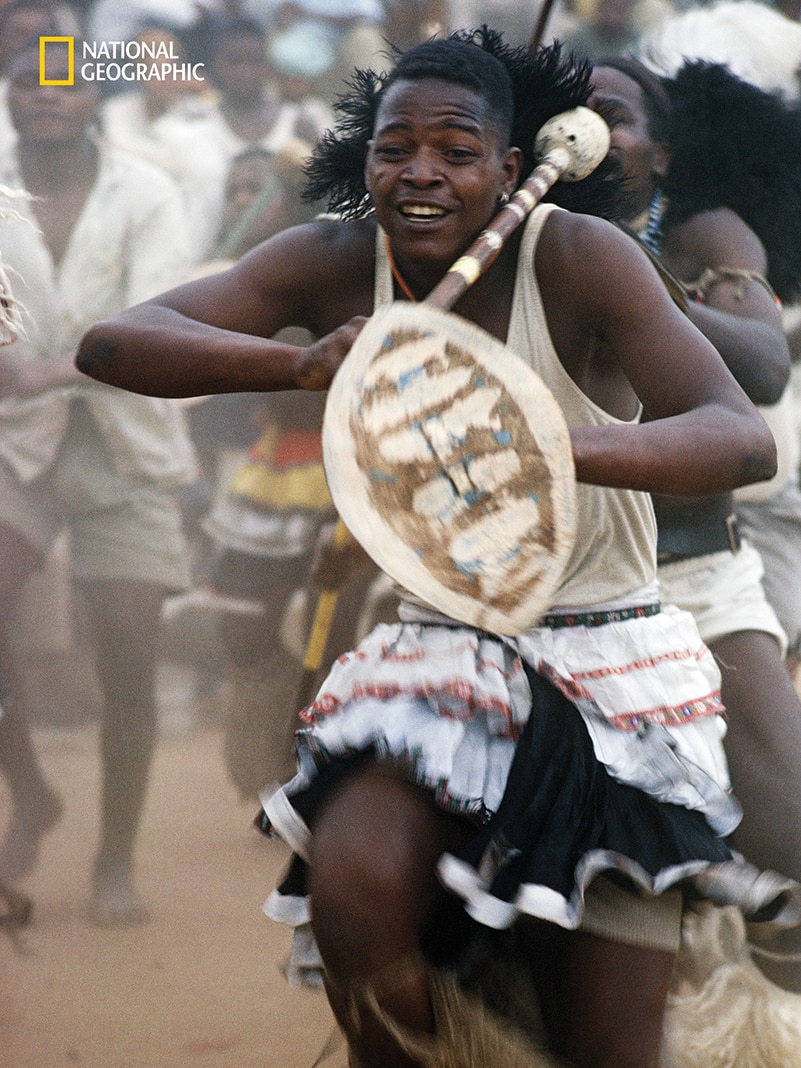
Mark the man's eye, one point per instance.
(609, 113)
(390, 152)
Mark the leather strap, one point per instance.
(711, 529)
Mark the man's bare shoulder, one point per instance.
(324, 245)
(717, 237)
(573, 244)
(321, 270)
(572, 229)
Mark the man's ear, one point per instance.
(512, 164)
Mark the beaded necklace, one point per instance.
(652, 235)
(399, 277)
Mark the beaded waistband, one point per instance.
(554, 620)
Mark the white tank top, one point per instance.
(615, 549)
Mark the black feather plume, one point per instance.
(736, 146)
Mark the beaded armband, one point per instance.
(713, 275)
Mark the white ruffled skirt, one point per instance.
(591, 744)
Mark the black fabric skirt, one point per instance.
(564, 820)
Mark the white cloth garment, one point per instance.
(129, 243)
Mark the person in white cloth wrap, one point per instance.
(573, 775)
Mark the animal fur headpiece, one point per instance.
(736, 146)
(543, 84)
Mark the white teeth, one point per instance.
(421, 211)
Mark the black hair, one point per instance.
(735, 145)
(656, 99)
(473, 68)
(542, 85)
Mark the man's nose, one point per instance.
(423, 168)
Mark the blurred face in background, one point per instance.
(621, 102)
(162, 94)
(254, 187)
(240, 69)
(49, 114)
(246, 179)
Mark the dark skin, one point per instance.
(763, 741)
(252, 180)
(745, 324)
(436, 169)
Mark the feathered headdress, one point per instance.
(736, 146)
(543, 85)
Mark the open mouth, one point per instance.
(421, 212)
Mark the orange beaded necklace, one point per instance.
(399, 277)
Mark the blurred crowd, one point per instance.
(140, 185)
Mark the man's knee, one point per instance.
(372, 863)
(377, 834)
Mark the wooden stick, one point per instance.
(320, 630)
(542, 21)
(489, 242)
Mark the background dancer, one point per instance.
(687, 173)
(100, 231)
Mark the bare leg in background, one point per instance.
(35, 806)
(125, 620)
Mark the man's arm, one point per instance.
(214, 335)
(702, 434)
(737, 313)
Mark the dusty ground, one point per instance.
(200, 985)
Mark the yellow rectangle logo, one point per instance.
(70, 43)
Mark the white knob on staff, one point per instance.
(575, 142)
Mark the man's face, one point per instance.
(240, 67)
(49, 113)
(246, 179)
(619, 100)
(435, 169)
